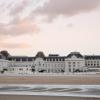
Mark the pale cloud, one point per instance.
(70, 25)
(53, 8)
(19, 7)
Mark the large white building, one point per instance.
(53, 63)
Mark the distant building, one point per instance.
(53, 63)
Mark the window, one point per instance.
(94, 61)
(69, 69)
(88, 62)
(74, 65)
(50, 59)
(78, 62)
(20, 69)
(53, 59)
(63, 59)
(97, 64)
(39, 64)
(91, 62)
(73, 62)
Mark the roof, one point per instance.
(26, 58)
(40, 54)
(77, 54)
(87, 57)
(61, 58)
(53, 55)
(18, 58)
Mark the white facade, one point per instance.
(74, 62)
(49, 66)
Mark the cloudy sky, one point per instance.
(51, 26)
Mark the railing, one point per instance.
(49, 74)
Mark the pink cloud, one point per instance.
(19, 27)
(21, 45)
(54, 8)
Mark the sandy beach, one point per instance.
(41, 79)
(18, 97)
(60, 79)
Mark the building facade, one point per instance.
(53, 63)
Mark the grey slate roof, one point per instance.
(89, 57)
(51, 57)
(19, 58)
(40, 54)
(77, 54)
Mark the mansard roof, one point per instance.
(77, 54)
(58, 58)
(5, 55)
(40, 54)
(53, 55)
(87, 57)
(18, 58)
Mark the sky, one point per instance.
(51, 26)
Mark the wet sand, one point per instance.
(18, 97)
(60, 79)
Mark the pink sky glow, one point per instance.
(51, 26)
